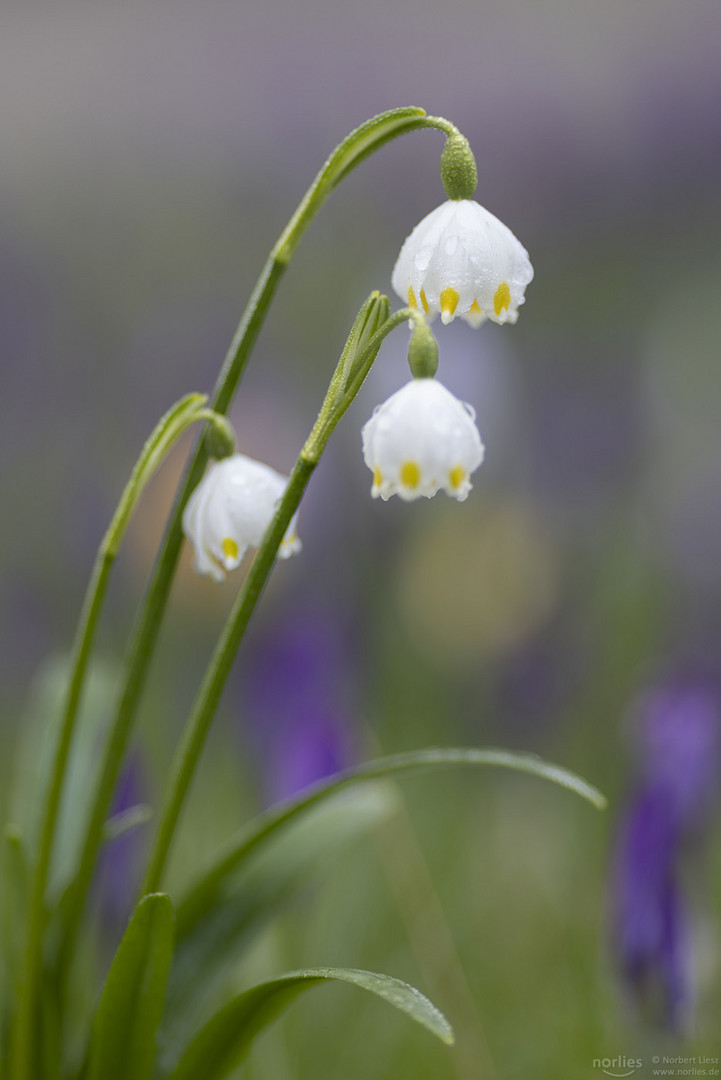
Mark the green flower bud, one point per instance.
(422, 351)
(220, 436)
(458, 168)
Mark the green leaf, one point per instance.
(255, 894)
(13, 906)
(225, 1040)
(36, 752)
(123, 1041)
(205, 893)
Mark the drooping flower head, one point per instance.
(421, 440)
(461, 260)
(230, 510)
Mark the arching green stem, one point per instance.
(187, 411)
(370, 329)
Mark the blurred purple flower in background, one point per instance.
(295, 692)
(678, 743)
(118, 874)
(649, 913)
(679, 736)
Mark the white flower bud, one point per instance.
(420, 440)
(461, 260)
(230, 510)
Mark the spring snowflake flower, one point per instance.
(420, 440)
(461, 260)
(230, 510)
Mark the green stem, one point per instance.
(355, 148)
(171, 425)
(200, 720)
(196, 730)
(24, 1047)
(148, 624)
(335, 406)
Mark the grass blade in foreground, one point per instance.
(204, 894)
(225, 1040)
(131, 1005)
(13, 909)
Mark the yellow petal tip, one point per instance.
(502, 298)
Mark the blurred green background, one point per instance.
(151, 154)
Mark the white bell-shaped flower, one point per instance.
(461, 260)
(420, 440)
(230, 510)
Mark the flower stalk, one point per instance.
(371, 327)
(198, 726)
